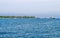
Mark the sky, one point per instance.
(39, 8)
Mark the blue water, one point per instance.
(29, 28)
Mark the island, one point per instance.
(17, 16)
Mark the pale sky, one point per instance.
(40, 8)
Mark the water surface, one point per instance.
(29, 28)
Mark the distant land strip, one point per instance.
(17, 16)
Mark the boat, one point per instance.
(52, 17)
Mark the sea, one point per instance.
(29, 28)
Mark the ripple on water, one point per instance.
(29, 28)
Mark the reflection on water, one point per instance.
(29, 28)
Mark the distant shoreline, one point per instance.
(17, 16)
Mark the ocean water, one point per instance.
(29, 28)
